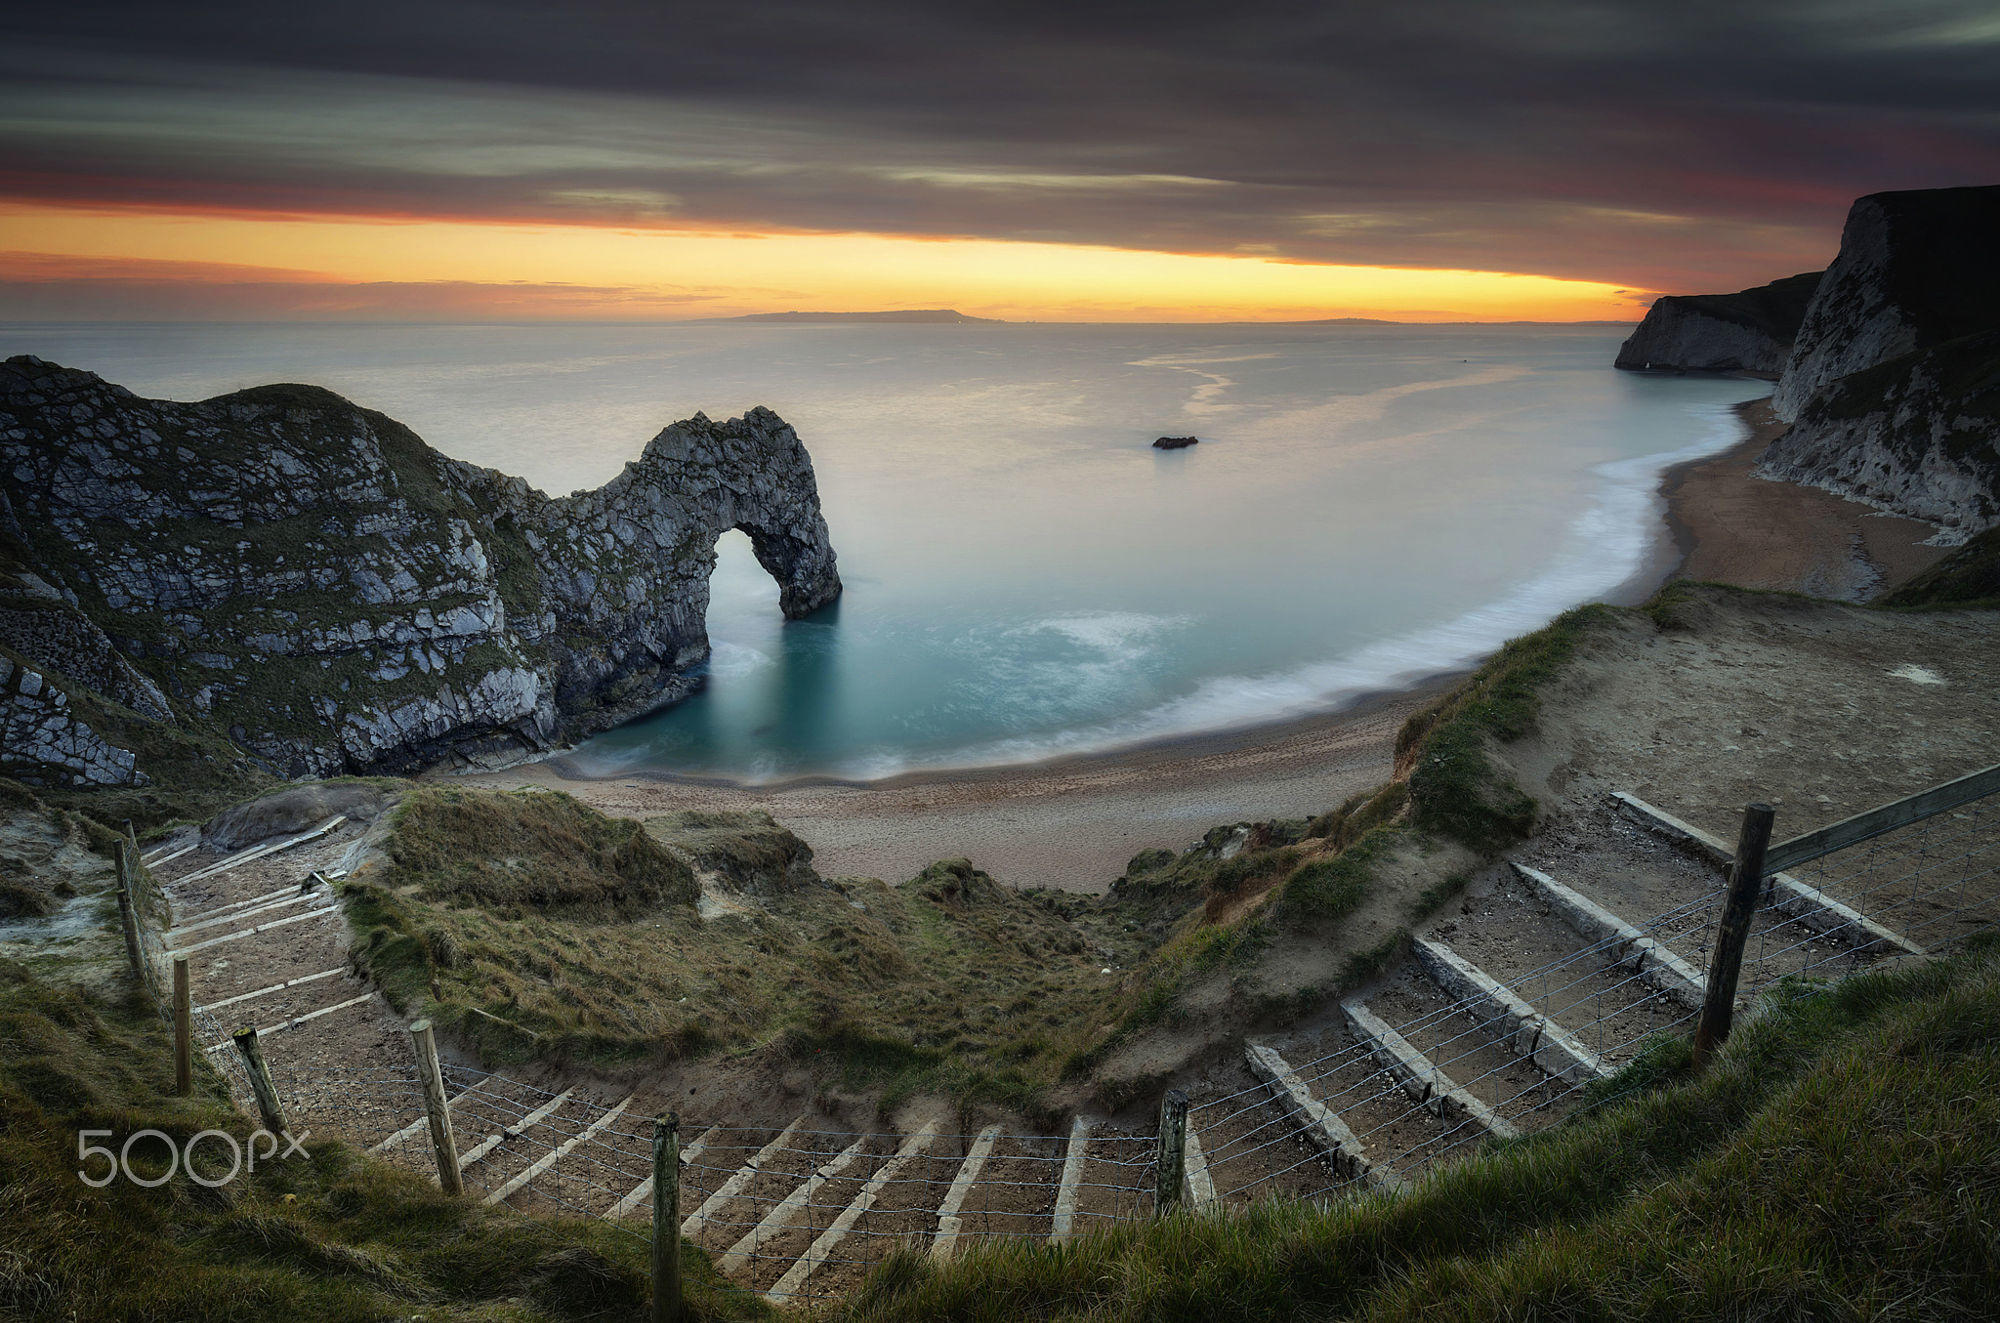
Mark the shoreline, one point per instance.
(1073, 821)
(1732, 526)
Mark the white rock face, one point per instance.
(335, 596)
(1893, 388)
(1854, 321)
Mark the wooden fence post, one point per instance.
(443, 1142)
(261, 1087)
(667, 1218)
(1746, 877)
(128, 915)
(183, 1030)
(1171, 1173)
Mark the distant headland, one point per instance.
(923, 316)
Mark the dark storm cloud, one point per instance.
(1656, 146)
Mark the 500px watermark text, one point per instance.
(118, 1162)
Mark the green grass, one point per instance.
(333, 1237)
(1969, 577)
(1323, 891)
(1455, 790)
(1840, 1159)
(531, 926)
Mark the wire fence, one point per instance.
(1438, 1059)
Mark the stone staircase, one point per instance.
(1552, 973)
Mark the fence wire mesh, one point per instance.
(1421, 1074)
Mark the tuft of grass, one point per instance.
(1324, 890)
(540, 851)
(490, 916)
(1455, 790)
(1839, 1159)
(1968, 577)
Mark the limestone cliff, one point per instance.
(1893, 388)
(1915, 269)
(1918, 435)
(1750, 331)
(311, 580)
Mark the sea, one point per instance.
(1027, 576)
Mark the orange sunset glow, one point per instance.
(344, 266)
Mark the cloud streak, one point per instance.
(1694, 147)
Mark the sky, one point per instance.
(440, 160)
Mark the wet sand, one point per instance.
(1734, 527)
(1074, 822)
(1069, 823)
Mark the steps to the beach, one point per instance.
(1533, 1036)
(1811, 908)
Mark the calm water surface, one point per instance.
(1025, 575)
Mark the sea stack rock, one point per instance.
(1750, 331)
(1893, 388)
(284, 572)
(1176, 442)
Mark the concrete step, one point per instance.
(788, 1224)
(1012, 1196)
(1624, 944)
(1530, 1034)
(899, 1188)
(1809, 907)
(1320, 1125)
(1422, 1079)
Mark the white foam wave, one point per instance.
(729, 661)
(1605, 546)
(1118, 635)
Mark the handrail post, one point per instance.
(261, 1086)
(667, 1218)
(1171, 1166)
(128, 915)
(183, 1029)
(1746, 877)
(443, 1142)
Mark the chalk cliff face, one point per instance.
(310, 580)
(1750, 331)
(1919, 435)
(1893, 388)
(1915, 270)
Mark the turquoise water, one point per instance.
(1025, 576)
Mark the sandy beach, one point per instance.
(1734, 527)
(1069, 823)
(1074, 822)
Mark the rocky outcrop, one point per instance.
(1750, 331)
(1893, 388)
(44, 743)
(1176, 442)
(313, 580)
(1915, 270)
